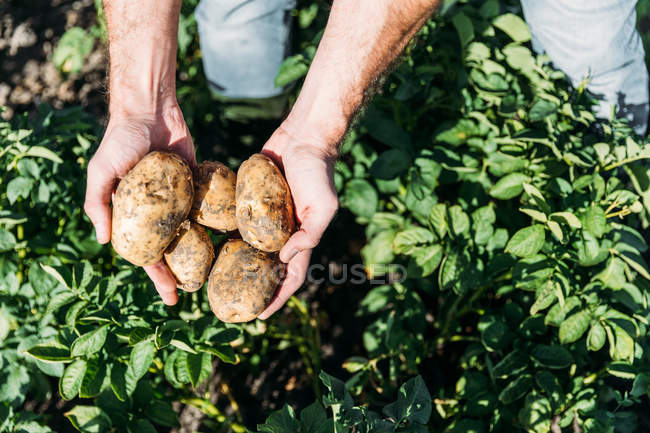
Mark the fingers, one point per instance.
(185, 148)
(164, 281)
(100, 184)
(315, 220)
(296, 272)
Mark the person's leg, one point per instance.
(243, 43)
(598, 40)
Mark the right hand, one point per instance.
(127, 140)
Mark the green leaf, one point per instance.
(43, 152)
(280, 421)
(536, 414)
(636, 262)
(94, 378)
(613, 276)
(406, 241)
(72, 49)
(224, 352)
(56, 274)
(483, 219)
(89, 343)
(550, 386)
(464, 28)
(361, 198)
(390, 164)
(509, 186)
(426, 259)
(199, 367)
(438, 219)
(123, 381)
(623, 348)
(516, 389)
(511, 365)
(141, 426)
(7, 240)
(19, 187)
(161, 413)
(574, 326)
(622, 370)
(180, 344)
(542, 109)
(513, 26)
(292, 69)
(70, 382)
(52, 352)
(141, 358)
(594, 221)
(596, 337)
(545, 297)
(89, 419)
(527, 242)
(566, 218)
(552, 356)
(59, 300)
(413, 403)
(458, 221)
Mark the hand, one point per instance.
(127, 140)
(309, 169)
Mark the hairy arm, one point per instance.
(144, 113)
(361, 40)
(142, 54)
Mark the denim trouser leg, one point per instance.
(243, 43)
(596, 39)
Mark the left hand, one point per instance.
(308, 165)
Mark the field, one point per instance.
(500, 228)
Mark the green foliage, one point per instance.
(72, 49)
(477, 169)
(507, 206)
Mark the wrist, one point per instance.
(316, 124)
(144, 83)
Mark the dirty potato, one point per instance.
(243, 281)
(265, 215)
(150, 203)
(190, 256)
(214, 196)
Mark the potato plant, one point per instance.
(517, 218)
(509, 223)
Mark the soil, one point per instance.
(27, 41)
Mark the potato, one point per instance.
(214, 196)
(243, 281)
(190, 256)
(265, 215)
(150, 203)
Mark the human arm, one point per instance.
(360, 42)
(143, 112)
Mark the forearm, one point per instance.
(361, 40)
(142, 54)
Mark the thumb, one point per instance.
(316, 219)
(100, 183)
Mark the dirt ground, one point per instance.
(27, 40)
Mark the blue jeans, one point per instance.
(244, 42)
(597, 40)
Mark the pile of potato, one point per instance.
(151, 208)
